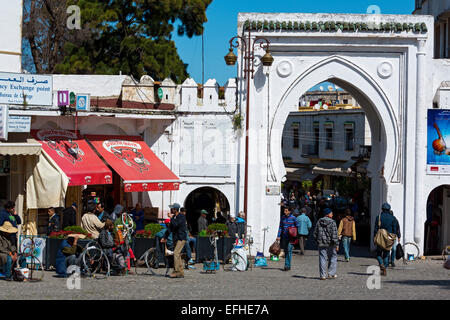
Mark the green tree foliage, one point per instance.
(132, 37)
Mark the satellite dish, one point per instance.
(317, 106)
(321, 88)
(325, 106)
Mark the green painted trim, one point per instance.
(333, 26)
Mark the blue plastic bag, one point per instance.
(260, 262)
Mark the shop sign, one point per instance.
(83, 102)
(19, 124)
(438, 151)
(30, 89)
(4, 122)
(63, 98)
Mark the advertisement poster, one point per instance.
(438, 141)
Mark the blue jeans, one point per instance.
(393, 252)
(383, 257)
(346, 241)
(187, 246)
(7, 267)
(327, 261)
(288, 255)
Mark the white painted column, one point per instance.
(421, 134)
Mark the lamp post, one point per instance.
(248, 49)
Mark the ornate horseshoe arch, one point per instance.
(374, 96)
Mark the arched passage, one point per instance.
(437, 225)
(206, 198)
(384, 167)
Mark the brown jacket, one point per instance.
(5, 248)
(347, 227)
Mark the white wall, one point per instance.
(11, 36)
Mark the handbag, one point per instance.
(275, 248)
(293, 235)
(399, 253)
(383, 238)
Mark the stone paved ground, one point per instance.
(416, 280)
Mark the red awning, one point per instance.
(74, 156)
(135, 162)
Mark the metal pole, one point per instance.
(247, 75)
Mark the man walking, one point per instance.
(326, 236)
(287, 221)
(347, 229)
(391, 225)
(394, 247)
(178, 228)
(304, 225)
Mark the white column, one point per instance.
(420, 140)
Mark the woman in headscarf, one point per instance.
(118, 209)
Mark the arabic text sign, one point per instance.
(20, 88)
(19, 123)
(4, 122)
(438, 141)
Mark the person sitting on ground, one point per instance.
(8, 251)
(53, 221)
(106, 239)
(102, 215)
(68, 254)
(90, 221)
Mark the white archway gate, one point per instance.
(384, 61)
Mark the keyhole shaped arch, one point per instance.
(369, 94)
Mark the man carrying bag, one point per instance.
(386, 229)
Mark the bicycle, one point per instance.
(154, 257)
(94, 260)
(29, 254)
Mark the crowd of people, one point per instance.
(330, 232)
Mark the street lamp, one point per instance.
(248, 50)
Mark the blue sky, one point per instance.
(222, 25)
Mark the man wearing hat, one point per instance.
(391, 225)
(202, 222)
(178, 228)
(8, 250)
(326, 235)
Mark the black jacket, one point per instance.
(54, 224)
(69, 217)
(178, 227)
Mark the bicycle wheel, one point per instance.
(94, 262)
(151, 261)
(411, 250)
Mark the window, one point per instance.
(295, 132)
(329, 137)
(349, 139)
(316, 139)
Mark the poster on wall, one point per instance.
(33, 245)
(438, 142)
